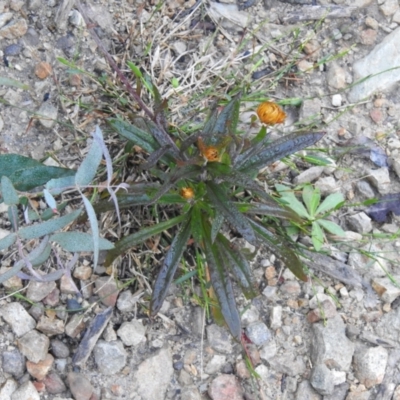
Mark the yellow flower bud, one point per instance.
(187, 193)
(270, 113)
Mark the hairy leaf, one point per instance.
(223, 287)
(169, 267)
(8, 192)
(143, 234)
(8, 241)
(196, 226)
(45, 228)
(88, 168)
(59, 185)
(79, 241)
(95, 230)
(216, 225)
(227, 119)
(278, 149)
(10, 163)
(223, 205)
(281, 250)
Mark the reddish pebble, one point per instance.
(39, 370)
(376, 115)
(368, 37)
(40, 386)
(54, 383)
(225, 387)
(43, 70)
(107, 290)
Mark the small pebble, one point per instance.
(12, 50)
(43, 70)
(336, 100)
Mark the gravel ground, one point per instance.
(335, 338)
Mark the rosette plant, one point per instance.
(209, 177)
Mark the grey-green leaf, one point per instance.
(331, 202)
(79, 241)
(45, 228)
(332, 227)
(8, 241)
(10, 195)
(87, 170)
(95, 230)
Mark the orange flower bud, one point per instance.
(187, 193)
(270, 113)
(210, 153)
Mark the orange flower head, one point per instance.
(210, 153)
(270, 113)
(187, 193)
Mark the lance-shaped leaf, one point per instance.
(130, 241)
(196, 225)
(135, 134)
(311, 198)
(79, 241)
(8, 241)
(45, 228)
(33, 177)
(155, 157)
(87, 170)
(237, 263)
(222, 285)
(331, 202)
(224, 206)
(271, 210)
(216, 225)
(278, 149)
(169, 267)
(8, 192)
(227, 119)
(10, 163)
(59, 185)
(281, 250)
(292, 202)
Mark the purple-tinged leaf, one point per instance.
(379, 211)
(224, 206)
(222, 286)
(278, 149)
(281, 250)
(169, 267)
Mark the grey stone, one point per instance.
(386, 289)
(318, 299)
(373, 267)
(5, 17)
(360, 222)
(268, 351)
(190, 393)
(110, 357)
(37, 291)
(7, 389)
(34, 4)
(384, 57)
(275, 318)
(59, 349)
(365, 189)
(321, 379)
(380, 179)
(50, 326)
(126, 301)
(396, 166)
(336, 77)
(14, 29)
(326, 340)
(288, 364)
(326, 185)
(149, 372)
(306, 392)
(310, 110)
(47, 114)
(339, 393)
(34, 346)
(219, 339)
(12, 50)
(61, 18)
(309, 175)
(250, 315)
(18, 318)
(76, 19)
(26, 391)
(132, 333)
(13, 363)
(215, 364)
(79, 386)
(258, 333)
(370, 365)
(389, 7)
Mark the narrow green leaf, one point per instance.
(8, 241)
(317, 236)
(260, 135)
(196, 226)
(13, 83)
(8, 192)
(216, 226)
(227, 119)
(169, 267)
(88, 168)
(222, 204)
(134, 239)
(134, 69)
(281, 250)
(272, 210)
(78, 241)
(331, 227)
(223, 288)
(291, 201)
(331, 202)
(45, 228)
(31, 178)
